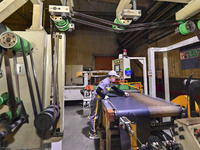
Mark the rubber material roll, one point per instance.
(46, 119)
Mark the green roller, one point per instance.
(9, 113)
(117, 22)
(187, 27)
(4, 98)
(61, 24)
(11, 40)
(198, 24)
(63, 27)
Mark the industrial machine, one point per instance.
(38, 67)
(122, 66)
(32, 66)
(139, 121)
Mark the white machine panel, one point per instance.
(120, 65)
(73, 94)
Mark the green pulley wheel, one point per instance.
(4, 98)
(187, 27)
(198, 24)
(11, 40)
(60, 23)
(117, 22)
(9, 113)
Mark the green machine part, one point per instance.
(12, 41)
(125, 87)
(198, 24)
(117, 22)
(4, 98)
(61, 24)
(186, 27)
(9, 113)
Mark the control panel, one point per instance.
(122, 67)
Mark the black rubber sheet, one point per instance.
(134, 111)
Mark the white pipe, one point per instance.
(143, 61)
(151, 60)
(151, 72)
(166, 76)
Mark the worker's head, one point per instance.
(112, 75)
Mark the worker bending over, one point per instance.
(99, 94)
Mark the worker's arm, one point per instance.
(119, 91)
(99, 92)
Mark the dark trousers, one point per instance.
(95, 114)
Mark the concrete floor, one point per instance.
(77, 129)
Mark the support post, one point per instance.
(166, 76)
(8, 7)
(142, 60)
(151, 72)
(37, 15)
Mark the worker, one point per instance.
(99, 94)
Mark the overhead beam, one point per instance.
(111, 1)
(189, 10)
(36, 1)
(8, 7)
(37, 15)
(175, 1)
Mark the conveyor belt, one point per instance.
(141, 104)
(126, 105)
(139, 113)
(157, 107)
(141, 108)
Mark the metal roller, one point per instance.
(60, 23)
(187, 27)
(46, 119)
(11, 40)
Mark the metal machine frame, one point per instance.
(151, 64)
(142, 60)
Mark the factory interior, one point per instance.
(99, 74)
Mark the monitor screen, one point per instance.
(117, 68)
